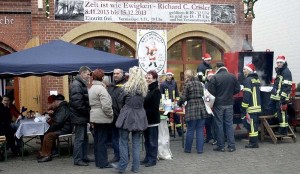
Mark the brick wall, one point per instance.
(50, 83)
(16, 33)
(35, 23)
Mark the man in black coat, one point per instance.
(223, 86)
(60, 124)
(115, 90)
(80, 115)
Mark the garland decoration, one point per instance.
(249, 6)
(47, 9)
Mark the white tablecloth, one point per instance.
(31, 128)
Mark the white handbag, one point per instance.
(209, 100)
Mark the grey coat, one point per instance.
(101, 104)
(132, 115)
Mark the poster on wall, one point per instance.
(143, 11)
(152, 50)
(222, 14)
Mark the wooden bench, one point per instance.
(3, 146)
(265, 126)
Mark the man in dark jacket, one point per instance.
(60, 124)
(204, 68)
(251, 107)
(223, 86)
(115, 90)
(80, 115)
(280, 94)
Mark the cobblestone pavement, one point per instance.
(269, 158)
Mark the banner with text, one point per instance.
(152, 50)
(126, 11)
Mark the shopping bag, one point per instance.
(164, 151)
(209, 100)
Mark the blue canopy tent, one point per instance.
(60, 58)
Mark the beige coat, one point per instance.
(101, 104)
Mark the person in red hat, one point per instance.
(60, 125)
(204, 68)
(170, 90)
(251, 105)
(280, 93)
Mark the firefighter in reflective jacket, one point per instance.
(170, 90)
(204, 68)
(251, 105)
(280, 94)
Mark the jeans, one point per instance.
(224, 114)
(123, 144)
(151, 144)
(100, 140)
(115, 140)
(192, 126)
(80, 143)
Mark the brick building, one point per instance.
(23, 24)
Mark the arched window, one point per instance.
(108, 45)
(9, 86)
(187, 54)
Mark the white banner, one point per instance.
(125, 11)
(146, 12)
(152, 50)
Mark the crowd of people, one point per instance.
(132, 106)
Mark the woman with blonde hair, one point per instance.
(195, 112)
(132, 118)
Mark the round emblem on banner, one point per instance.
(152, 52)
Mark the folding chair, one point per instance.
(3, 146)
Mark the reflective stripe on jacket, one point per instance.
(251, 95)
(282, 85)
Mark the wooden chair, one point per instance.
(265, 126)
(66, 138)
(3, 146)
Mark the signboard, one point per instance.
(152, 50)
(126, 11)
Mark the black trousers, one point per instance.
(100, 140)
(151, 144)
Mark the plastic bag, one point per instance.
(164, 151)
